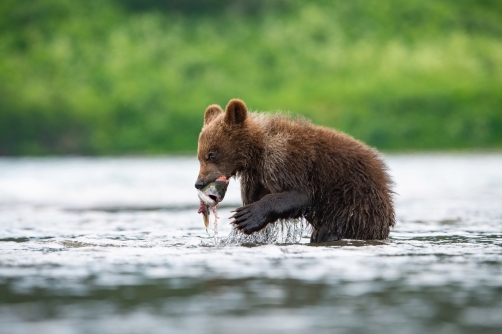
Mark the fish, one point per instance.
(210, 196)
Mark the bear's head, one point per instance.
(228, 142)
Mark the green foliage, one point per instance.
(205, 7)
(131, 76)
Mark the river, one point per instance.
(115, 245)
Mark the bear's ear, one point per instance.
(236, 112)
(211, 112)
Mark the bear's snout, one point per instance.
(200, 184)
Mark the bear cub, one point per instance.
(290, 168)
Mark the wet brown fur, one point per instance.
(348, 188)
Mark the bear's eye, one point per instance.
(211, 157)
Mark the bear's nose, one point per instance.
(199, 184)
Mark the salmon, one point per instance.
(210, 196)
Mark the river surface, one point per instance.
(115, 245)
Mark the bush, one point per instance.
(108, 77)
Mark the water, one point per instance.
(116, 246)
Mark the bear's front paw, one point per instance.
(250, 218)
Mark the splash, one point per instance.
(281, 232)
(213, 224)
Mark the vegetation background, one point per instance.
(134, 76)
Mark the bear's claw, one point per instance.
(250, 218)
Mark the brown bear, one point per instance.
(290, 168)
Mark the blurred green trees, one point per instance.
(135, 76)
